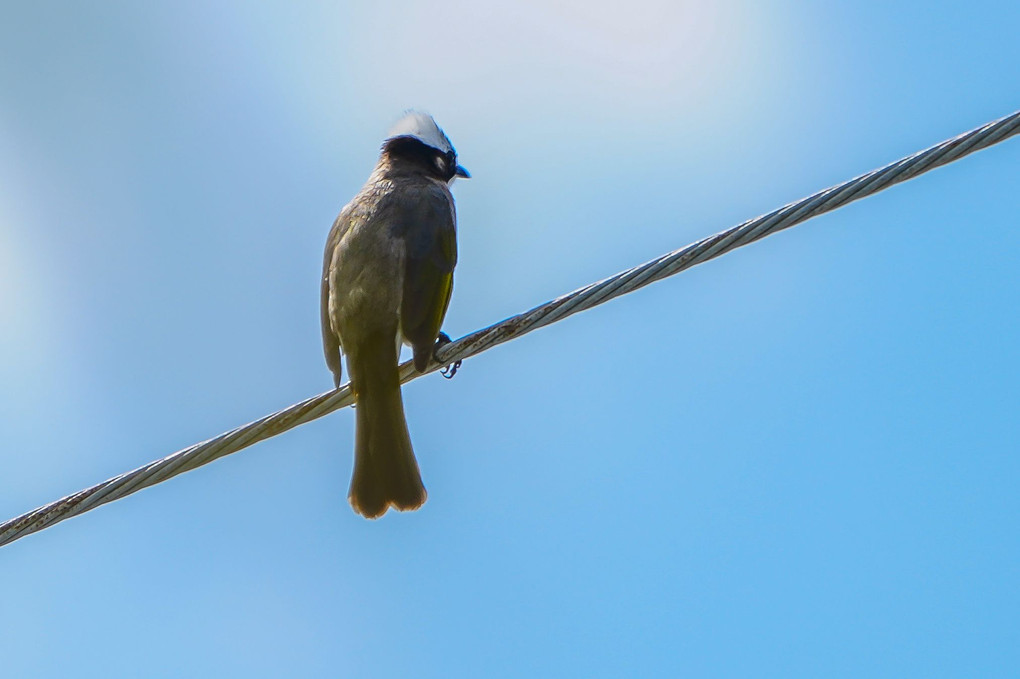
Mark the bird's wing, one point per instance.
(330, 340)
(429, 229)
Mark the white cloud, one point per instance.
(589, 66)
(24, 335)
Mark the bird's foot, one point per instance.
(449, 371)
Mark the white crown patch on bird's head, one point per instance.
(422, 127)
(416, 144)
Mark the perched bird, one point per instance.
(387, 278)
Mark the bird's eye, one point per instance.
(440, 162)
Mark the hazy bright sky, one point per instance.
(801, 459)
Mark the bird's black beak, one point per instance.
(461, 172)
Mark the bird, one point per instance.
(387, 278)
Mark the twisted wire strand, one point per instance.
(587, 297)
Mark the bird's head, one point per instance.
(417, 139)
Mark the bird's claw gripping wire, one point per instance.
(448, 371)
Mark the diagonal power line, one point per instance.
(592, 295)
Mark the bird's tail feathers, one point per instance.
(385, 469)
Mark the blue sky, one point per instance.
(800, 459)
